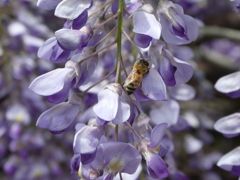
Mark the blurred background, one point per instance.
(28, 152)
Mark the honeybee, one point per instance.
(134, 79)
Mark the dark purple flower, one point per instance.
(177, 28)
(173, 70)
(149, 148)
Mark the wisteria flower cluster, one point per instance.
(99, 153)
(104, 81)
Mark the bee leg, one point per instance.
(140, 88)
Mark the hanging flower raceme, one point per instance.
(146, 26)
(177, 28)
(110, 106)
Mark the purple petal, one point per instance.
(48, 4)
(184, 70)
(71, 9)
(236, 170)
(59, 117)
(142, 40)
(182, 92)
(190, 26)
(51, 82)
(146, 23)
(60, 96)
(163, 150)
(167, 112)
(75, 163)
(167, 70)
(86, 140)
(97, 36)
(140, 96)
(157, 90)
(230, 159)
(70, 39)
(157, 134)
(235, 94)
(229, 83)
(80, 21)
(132, 7)
(121, 157)
(156, 167)
(59, 55)
(107, 105)
(229, 125)
(88, 158)
(45, 50)
(123, 113)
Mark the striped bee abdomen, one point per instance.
(130, 88)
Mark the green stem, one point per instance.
(119, 39)
(116, 133)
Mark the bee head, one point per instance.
(144, 62)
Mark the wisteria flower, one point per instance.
(173, 70)
(110, 106)
(60, 117)
(178, 28)
(146, 26)
(120, 157)
(231, 161)
(149, 148)
(71, 39)
(229, 126)
(229, 85)
(55, 84)
(51, 51)
(86, 141)
(71, 9)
